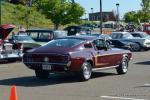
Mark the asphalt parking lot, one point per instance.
(104, 85)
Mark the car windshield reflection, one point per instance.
(65, 42)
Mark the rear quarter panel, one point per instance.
(79, 57)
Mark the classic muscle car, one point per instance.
(79, 54)
(8, 50)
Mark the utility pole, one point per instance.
(117, 5)
(101, 17)
(92, 15)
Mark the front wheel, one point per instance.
(85, 71)
(123, 67)
(41, 74)
(135, 47)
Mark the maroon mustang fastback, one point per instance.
(81, 54)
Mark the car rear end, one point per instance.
(7, 51)
(50, 62)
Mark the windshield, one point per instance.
(65, 42)
(140, 35)
(22, 38)
(121, 36)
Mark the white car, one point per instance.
(144, 43)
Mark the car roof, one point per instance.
(84, 37)
(21, 35)
(39, 30)
(138, 32)
(119, 32)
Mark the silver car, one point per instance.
(143, 43)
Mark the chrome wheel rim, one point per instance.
(136, 47)
(86, 71)
(124, 66)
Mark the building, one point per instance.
(106, 16)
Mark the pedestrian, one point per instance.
(22, 29)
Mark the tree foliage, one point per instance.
(61, 12)
(145, 5)
(142, 15)
(20, 15)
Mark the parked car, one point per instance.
(143, 43)
(77, 30)
(142, 35)
(45, 35)
(146, 28)
(26, 41)
(7, 49)
(77, 54)
(125, 45)
(101, 35)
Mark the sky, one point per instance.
(110, 5)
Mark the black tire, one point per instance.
(41, 74)
(85, 71)
(135, 47)
(123, 67)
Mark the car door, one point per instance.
(103, 55)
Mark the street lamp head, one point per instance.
(117, 4)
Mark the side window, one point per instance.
(33, 35)
(99, 44)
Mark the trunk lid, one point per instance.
(5, 30)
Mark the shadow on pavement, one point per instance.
(9, 61)
(54, 79)
(143, 63)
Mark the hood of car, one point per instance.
(5, 30)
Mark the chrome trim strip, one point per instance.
(45, 63)
(94, 69)
(49, 54)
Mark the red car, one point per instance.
(79, 54)
(8, 50)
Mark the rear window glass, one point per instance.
(65, 42)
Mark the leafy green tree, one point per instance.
(142, 15)
(130, 16)
(145, 5)
(61, 12)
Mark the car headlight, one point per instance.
(147, 42)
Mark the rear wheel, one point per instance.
(85, 72)
(135, 47)
(41, 74)
(123, 67)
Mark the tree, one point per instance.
(145, 5)
(142, 15)
(130, 17)
(61, 12)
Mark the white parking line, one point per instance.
(3, 66)
(146, 84)
(122, 98)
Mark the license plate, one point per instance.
(46, 67)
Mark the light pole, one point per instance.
(92, 15)
(101, 16)
(85, 17)
(117, 5)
